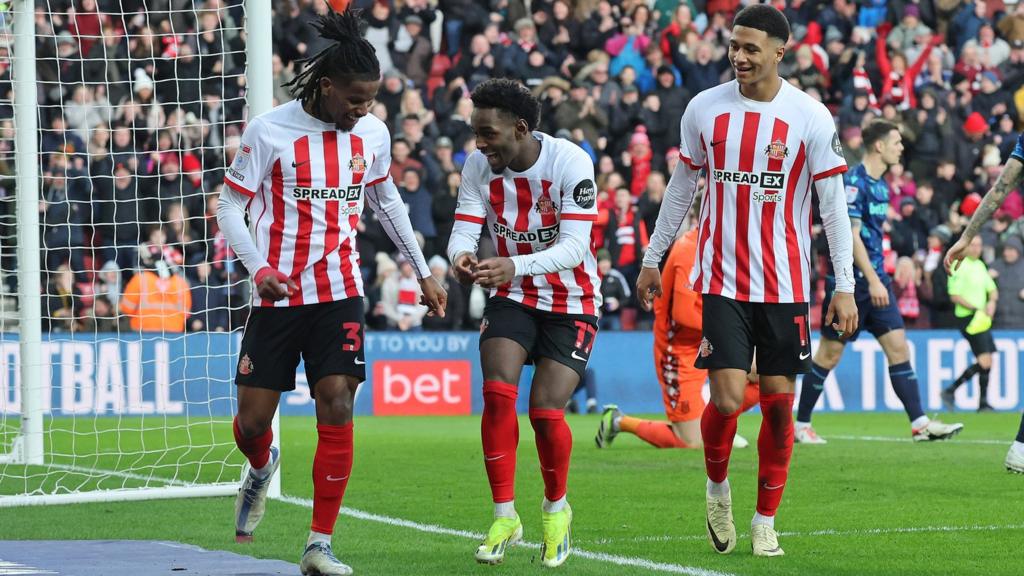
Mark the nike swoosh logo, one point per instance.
(717, 461)
(498, 457)
(333, 479)
(719, 545)
(767, 487)
(359, 362)
(578, 357)
(805, 356)
(294, 165)
(713, 144)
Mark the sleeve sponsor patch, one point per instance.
(837, 144)
(242, 157)
(851, 194)
(585, 194)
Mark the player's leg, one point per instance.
(830, 351)
(783, 350)
(982, 345)
(335, 367)
(266, 367)
(1015, 456)
(509, 333)
(563, 348)
(904, 383)
(726, 351)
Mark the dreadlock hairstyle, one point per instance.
(510, 97)
(349, 57)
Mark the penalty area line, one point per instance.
(907, 440)
(443, 530)
(832, 532)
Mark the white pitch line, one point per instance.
(830, 532)
(906, 440)
(435, 529)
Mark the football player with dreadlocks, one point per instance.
(302, 173)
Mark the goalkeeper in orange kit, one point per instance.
(677, 342)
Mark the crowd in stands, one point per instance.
(142, 105)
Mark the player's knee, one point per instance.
(727, 405)
(985, 361)
(828, 356)
(251, 426)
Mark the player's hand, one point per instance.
(956, 254)
(273, 285)
(434, 297)
(879, 294)
(465, 267)
(843, 310)
(648, 285)
(494, 272)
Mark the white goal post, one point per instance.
(112, 438)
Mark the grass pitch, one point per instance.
(869, 502)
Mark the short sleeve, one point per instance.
(1018, 150)
(824, 148)
(380, 170)
(691, 149)
(252, 161)
(471, 206)
(579, 192)
(956, 284)
(854, 196)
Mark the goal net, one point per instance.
(140, 107)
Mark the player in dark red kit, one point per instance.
(764, 144)
(302, 173)
(536, 195)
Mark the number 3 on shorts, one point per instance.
(354, 339)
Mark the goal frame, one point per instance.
(28, 447)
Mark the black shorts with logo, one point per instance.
(733, 330)
(328, 336)
(564, 338)
(981, 343)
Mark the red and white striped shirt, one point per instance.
(306, 182)
(761, 159)
(523, 212)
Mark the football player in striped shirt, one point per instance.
(302, 174)
(536, 196)
(764, 144)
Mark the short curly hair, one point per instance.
(766, 18)
(509, 96)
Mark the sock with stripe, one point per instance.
(904, 383)
(657, 434)
(499, 431)
(774, 449)
(554, 446)
(811, 389)
(255, 449)
(751, 396)
(717, 430)
(332, 465)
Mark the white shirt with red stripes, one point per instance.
(528, 213)
(761, 159)
(306, 182)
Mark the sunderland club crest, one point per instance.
(544, 206)
(245, 366)
(777, 150)
(357, 164)
(705, 348)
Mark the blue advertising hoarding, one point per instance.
(439, 373)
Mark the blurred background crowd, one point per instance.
(142, 105)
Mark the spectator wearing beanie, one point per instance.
(626, 236)
(967, 149)
(640, 156)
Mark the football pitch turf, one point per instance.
(869, 502)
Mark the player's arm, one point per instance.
(682, 187)
(1008, 180)
(993, 297)
(879, 293)
(250, 165)
(470, 216)
(836, 222)
(566, 253)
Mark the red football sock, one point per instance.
(751, 396)
(774, 448)
(717, 430)
(257, 448)
(332, 465)
(554, 446)
(499, 429)
(657, 434)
